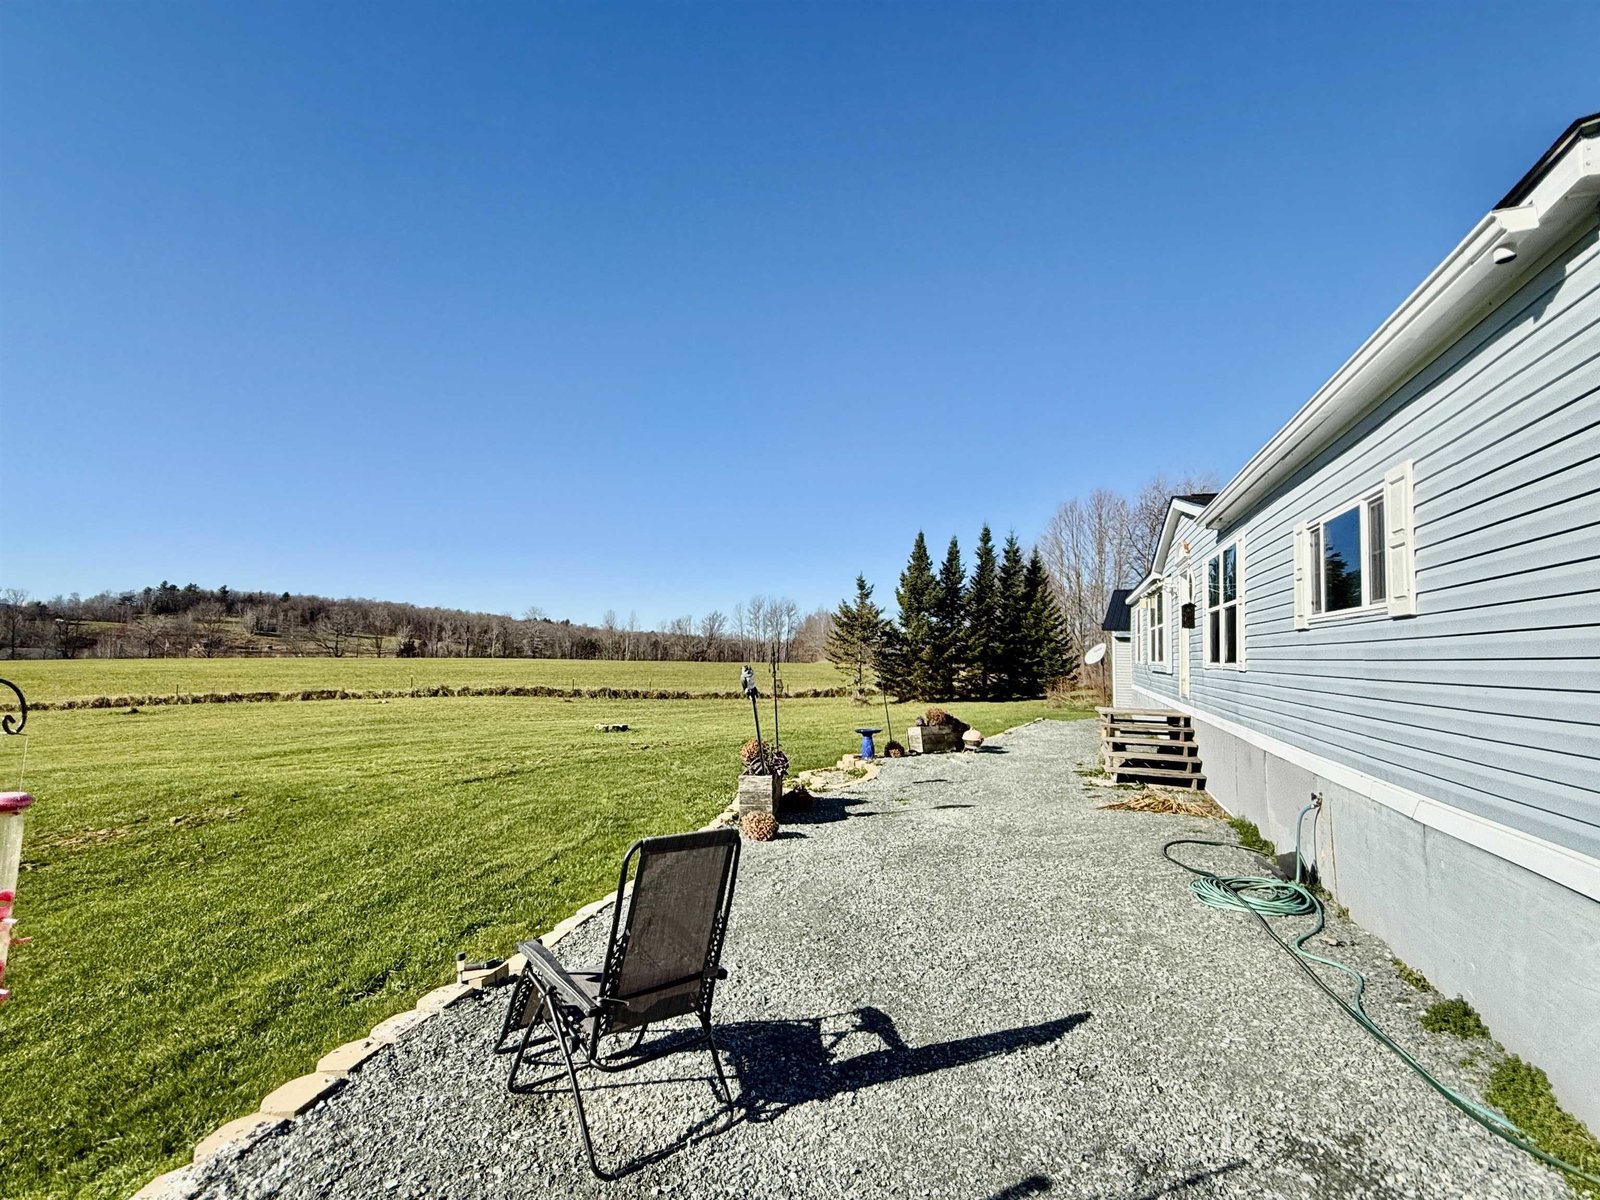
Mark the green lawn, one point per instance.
(219, 894)
(57, 679)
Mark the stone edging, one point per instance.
(288, 1101)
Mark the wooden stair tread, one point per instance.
(1119, 733)
(1169, 762)
(1153, 774)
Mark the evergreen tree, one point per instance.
(1011, 665)
(949, 631)
(982, 605)
(856, 636)
(906, 662)
(1048, 649)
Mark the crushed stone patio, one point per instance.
(959, 979)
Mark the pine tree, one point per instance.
(908, 651)
(1048, 649)
(949, 631)
(857, 634)
(854, 632)
(1011, 666)
(982, 605)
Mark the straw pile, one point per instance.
(1185, 802)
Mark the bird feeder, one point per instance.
(12, 806)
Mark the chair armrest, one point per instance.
(552, 973)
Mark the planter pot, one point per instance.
(931, 739)
(760, 793)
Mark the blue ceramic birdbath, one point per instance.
(866, 741)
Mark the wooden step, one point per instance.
(1171, 733)
(1155, 775)
(1144, 722)
(1163, 713)
(1141, 762)
(1174, 753)
(1144, 739)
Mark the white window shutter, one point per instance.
(1302, 576)
(1138, 632)
(1399, 558)
(1241, 590)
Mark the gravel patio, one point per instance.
(957, 980)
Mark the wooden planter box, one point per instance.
(760, 793)
(931, 739)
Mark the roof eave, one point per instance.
(1458, 293)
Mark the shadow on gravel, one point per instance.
(1033, 1185)
(1189, 1181)
(783, 1064)
(826, 809)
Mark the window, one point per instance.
(1360, 557)
(1224, 628)
(1347, 558)
(1158, 624)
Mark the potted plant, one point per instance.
(761, 782)
(936, 732)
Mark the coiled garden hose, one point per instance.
(1264, 897)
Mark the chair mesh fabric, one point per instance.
(673, 924)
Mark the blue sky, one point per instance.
(653, 308)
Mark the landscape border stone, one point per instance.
(298, 1096)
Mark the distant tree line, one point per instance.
(169, 621)
(994, 635)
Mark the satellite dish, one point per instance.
(1096, 653)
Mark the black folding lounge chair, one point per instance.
(663, 961)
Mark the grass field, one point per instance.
(219, 894)
(49, 680)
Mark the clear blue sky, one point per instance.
(607, 306)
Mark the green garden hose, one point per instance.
(1265, 897)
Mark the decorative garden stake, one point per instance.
(12, 806)
(777, 686)
(747, 684)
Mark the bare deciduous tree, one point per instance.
(1093, 546)
(12, 602)
(712, 626)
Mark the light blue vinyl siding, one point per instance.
(1489, 698)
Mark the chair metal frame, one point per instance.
(579, 1019)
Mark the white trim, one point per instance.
(1177, 509)
(1160, 633)
(1140, 589)
(1399, 540)
(1302, 576)
(1556, 863)
(1237, 604)
(1362, 507)
(1461, 290)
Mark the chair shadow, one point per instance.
(783, 1064)
(780, 1065)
